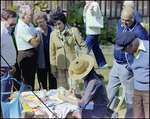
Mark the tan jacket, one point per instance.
(62, 55)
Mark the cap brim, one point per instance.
(117, 47)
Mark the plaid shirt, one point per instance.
(95, 92)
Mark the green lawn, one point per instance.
(105, 73)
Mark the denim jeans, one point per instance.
(91, 111)
(5, 85)
(92, 43)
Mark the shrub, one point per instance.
(76, 17)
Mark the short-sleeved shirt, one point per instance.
(8, 50)
(23, 33)
(138, 16)
(95, 92)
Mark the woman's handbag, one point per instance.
(76, 46)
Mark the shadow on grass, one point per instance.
(105, 82)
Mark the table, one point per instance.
(61, 108)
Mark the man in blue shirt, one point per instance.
(121, 73)
(137, 53)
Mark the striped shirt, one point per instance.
(95, 92)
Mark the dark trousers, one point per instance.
(17, 75)
(27, 62)
(44, 73)
(42, 77)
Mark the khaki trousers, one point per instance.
(141, 104)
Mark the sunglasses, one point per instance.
(11, 24)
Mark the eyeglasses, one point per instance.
(31, 15)
(41, 22)
(11, 24)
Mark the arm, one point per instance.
(72, 92)
(35, 41)
(1, 73)
(52, 51)
(142, 24)
(80, 41)
(139, 18)
(64, 98)
(95, 10)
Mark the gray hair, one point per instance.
(131, 3)
(22, 10)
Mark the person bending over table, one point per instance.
(94, 100)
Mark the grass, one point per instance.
(105, 73)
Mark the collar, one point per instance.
(141, 47)
(64, 34)
(21, 22)
(131, 28)
(5, 29)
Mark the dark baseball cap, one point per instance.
(124, 39)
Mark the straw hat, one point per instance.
(80, 67)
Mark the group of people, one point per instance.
(49, 51)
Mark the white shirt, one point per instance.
(8, 50)
(93, 20)
(23, 34)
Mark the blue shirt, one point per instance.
(139, 31)
(1, 8)
(138, 16)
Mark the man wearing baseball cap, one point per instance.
(137, 55)
(119, 74)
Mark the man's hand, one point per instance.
(92, 6)
(55, 75)
(2, 73)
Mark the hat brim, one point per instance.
(90, 61)
(117, 47)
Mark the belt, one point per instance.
(28, 49)
(121, 62)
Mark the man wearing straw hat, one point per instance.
(94, 100)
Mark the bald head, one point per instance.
(127, 16)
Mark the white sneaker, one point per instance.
(103, 67)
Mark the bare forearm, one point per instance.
(35, 41)
(72, 101)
